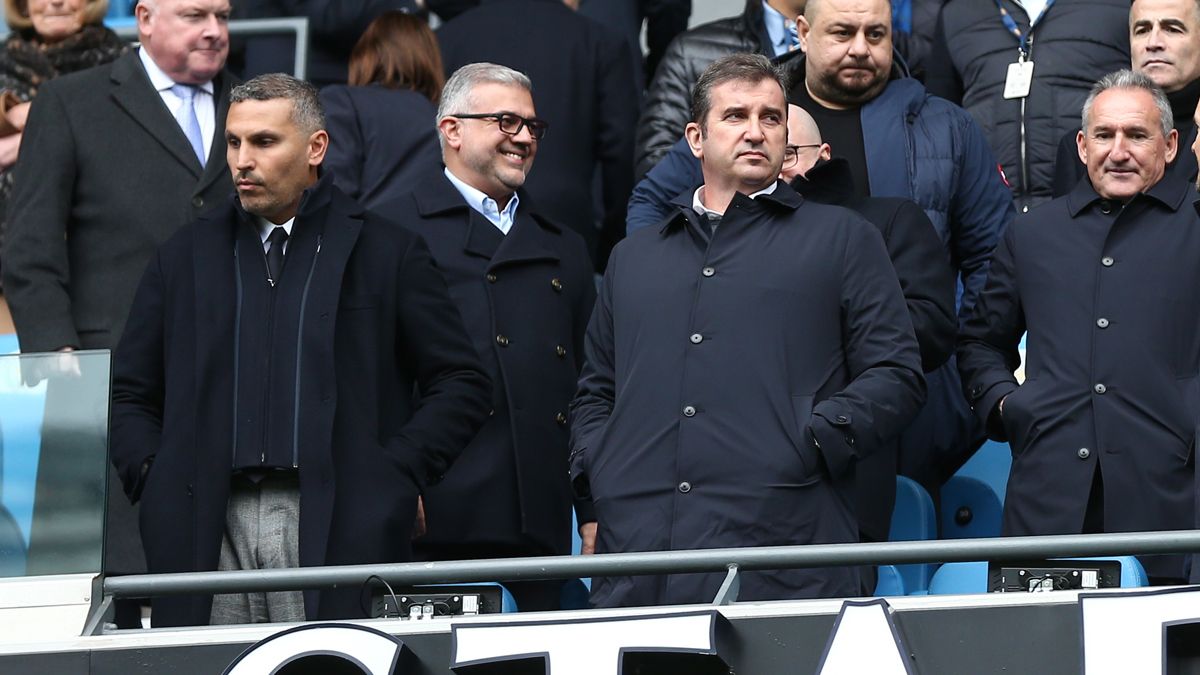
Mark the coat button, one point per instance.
(708, 271)
(502, 340)
(697, 338)
(685, 487)
(561, 351)
(1106, 207)
(1084, 453)
(1107, 261)
(1099, 388)
(197, 202)
(561, 419)
(556, 285)
(491, 278)
(1102, 322)
(689, 411)
(842, 419)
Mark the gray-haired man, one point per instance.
(262, 403)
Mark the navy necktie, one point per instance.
(275, 253)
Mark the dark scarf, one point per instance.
(27, 62)
(1183, 105)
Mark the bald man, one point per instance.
(925, 275)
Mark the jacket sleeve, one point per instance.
(583, 306)
(887, 387)
(594, 399)
(666, 112)
(432, 343)
(926, 280)
(676, 172)
(617, 116)
(987, 345)
(36, 268)
(981, 209)
(1068, 170)
(345, 155)
(139, 383)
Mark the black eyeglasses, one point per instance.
(791, 153)
(511, 124)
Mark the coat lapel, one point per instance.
(525, 241)
(135, 95)
(216, 167)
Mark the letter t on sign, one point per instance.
(585, 647)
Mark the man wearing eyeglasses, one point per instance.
(523, 284)
(744, 355)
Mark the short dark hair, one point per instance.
(752, 68)
(307, 112)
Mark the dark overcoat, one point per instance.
(376, 323)
(1109, 297)
(583, 85)
(525, 298)
(730, 384)
(381, 141)
(106, 176)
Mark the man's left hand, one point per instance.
(587, 533)
(419, 523)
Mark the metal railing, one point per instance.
(730, 560)
(297, 25)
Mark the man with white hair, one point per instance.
(523, 284)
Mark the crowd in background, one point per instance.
(940, 123)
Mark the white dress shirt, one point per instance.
(206, 112)
(265, 227)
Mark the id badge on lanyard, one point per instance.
(1020, 74)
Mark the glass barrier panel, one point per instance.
(53, 462)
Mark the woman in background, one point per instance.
(49, 38)
(382, 126)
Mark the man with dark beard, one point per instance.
(901, 141)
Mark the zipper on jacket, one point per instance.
(270, 361)
(1024, 141)
(299, 352)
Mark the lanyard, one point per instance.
(1011, 25)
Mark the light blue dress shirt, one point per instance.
(485, 205)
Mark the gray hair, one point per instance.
(307, 112)
(753, 68)
(456, 94)
(1131, 79)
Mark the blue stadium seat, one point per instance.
(970, 508)
(889, 583)
(913, 519)
(990, 464)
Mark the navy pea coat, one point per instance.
(525, 298)
(730, 384)
(1110, 298)
(377, 322)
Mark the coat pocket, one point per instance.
(808, 463)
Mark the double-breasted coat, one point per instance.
(377, 321)
(1110, 297)
(525, 298)
(715, 365)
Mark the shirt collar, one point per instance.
(702, 210)
(160, 80)
(480, 201)
(265, 227)
(777, 28)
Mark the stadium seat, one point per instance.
(913, 519)
(990, 464)
(889, 582)
(970, 508)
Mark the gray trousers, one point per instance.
(262, 531)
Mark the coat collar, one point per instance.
(784, 198)
(134, 93)
(1170, 191)
(828, 182)
(525, 241)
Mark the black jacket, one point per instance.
(378, 323)
(927, 283)
(669, 97)
(1068, 169)
(1075, 43)
(583, 85)
(533, 286)
(711, 366)
(1109, 297)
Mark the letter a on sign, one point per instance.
(594, 647)
(865, 640)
